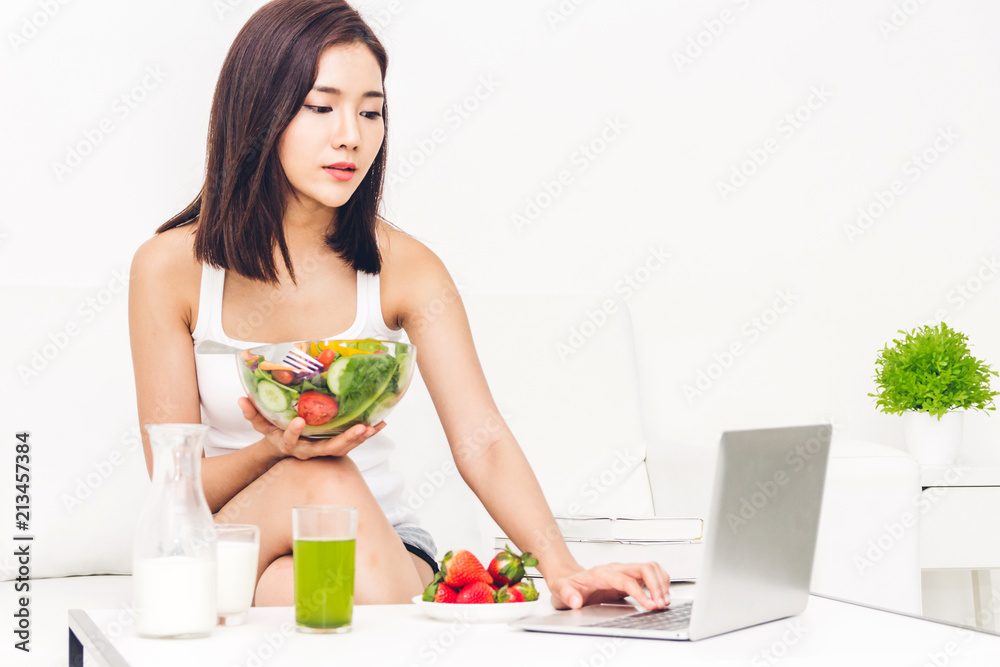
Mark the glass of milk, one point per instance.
(236, 579)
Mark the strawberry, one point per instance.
(459, 568)
(527, 589)
(440, 592)
(477, 592)
(508, 568)
(507, 594)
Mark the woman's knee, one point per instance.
(318, 476)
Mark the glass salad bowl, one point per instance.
(332, 384)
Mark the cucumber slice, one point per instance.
(272, 397)
(343, 418)
(335, 374)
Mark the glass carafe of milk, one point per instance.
(174, 556)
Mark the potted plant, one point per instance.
(930, 377)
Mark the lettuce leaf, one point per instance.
(370, 375)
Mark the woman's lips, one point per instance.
(342, 171)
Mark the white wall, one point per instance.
(550, 78)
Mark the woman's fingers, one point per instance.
(351, 438)
(655, 580)
(291, 443)
(338, 445)
(257, 420)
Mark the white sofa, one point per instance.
(571, 401)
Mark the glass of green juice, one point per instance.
(323, 560)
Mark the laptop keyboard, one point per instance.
(675, 617)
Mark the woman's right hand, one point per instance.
(289, 443)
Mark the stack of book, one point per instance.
(594, 540)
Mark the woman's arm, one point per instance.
(485, 451)
(163, 276)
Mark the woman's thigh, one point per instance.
(384, 569)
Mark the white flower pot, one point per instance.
(933, 442)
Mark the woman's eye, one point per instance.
(371, 114)
(318, 109)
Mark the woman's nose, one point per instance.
(346, 134)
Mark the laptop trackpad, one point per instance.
(590, 614)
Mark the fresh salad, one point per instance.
(360, 381)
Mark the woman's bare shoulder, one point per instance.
(167, 253)
(403, 254)
(412, 277)
(165, 268)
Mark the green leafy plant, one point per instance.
(931, 370)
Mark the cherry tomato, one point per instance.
(326, 358)
(284, 377)
(317, 408)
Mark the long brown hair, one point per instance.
(268, 71)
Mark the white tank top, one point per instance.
(219, 388)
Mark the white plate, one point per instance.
(502, 612)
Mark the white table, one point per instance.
(828, 633)
(960, 528)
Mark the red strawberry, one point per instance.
(507, 594)
(477, 592)
(438, 591)
(527, 588)
(508, 568)
(459, 568)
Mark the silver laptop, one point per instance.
(759, 545)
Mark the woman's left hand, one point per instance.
(614, 581)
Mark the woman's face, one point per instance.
(339, 125)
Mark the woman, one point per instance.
(284, 243)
